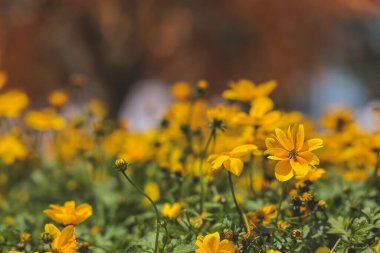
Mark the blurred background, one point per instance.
(128, 53)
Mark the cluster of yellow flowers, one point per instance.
(68, 215)
(245, 140)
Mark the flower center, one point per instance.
(293, 154)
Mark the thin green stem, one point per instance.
(283, 194)
(242, 220)
(201, 174)
(152, 203)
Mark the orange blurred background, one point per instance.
(110, 46)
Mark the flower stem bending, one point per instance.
(158, 220)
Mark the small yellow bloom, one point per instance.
(246, 91)
(313, 175)
(263, 216)
(232, 161)
(197, 222)
(292, 151)
(44, 120)
(63, 241)
(322, 250)
(25, 237)
(12, 103)
(377, 248)
(153, 191)
(281, 224)
(181, 91)
(58, 98)
(69, 214)
(12, 149)
(273, 251)
(172, 210)
(211, 244)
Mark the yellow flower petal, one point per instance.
(283, 140)
(235, 166)
(283, 171)
(243, 150)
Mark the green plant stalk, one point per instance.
(203, 155)
(283, 192)
(152, 203)
(242, 220)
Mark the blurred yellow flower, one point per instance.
(273, 251)
(44, 120)
(181, 91)
(58, 98)
(172, 210)
(313, 175)
(377, 248)
(12, 149)
(263, 216)
(322, 250)
(12, 103)
(211, 244)
(261, 117)
(231, 161)
(62, 241)
(69, 214)
(292, 151)
(153, 191)
(246, 91)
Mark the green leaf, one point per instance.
(188, 248)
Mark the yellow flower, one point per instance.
(63, 241)
(58, 98)
(69, 214)
(337, 119)
(232, 161)
(197, 222)
(292, 151)
(273, 251)
(153, 191)
(377, 248)
(12, 103)
(172, 210)
(181, 91)
(322, 250)
(211, 244)
(261, 118)
(44, 120)
(263, 216)
(246, 91)
(281, 224)
(313, 175)
(12, 149)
